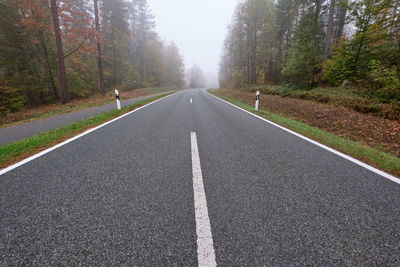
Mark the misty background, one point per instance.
(198, 28)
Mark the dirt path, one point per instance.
(376, 132)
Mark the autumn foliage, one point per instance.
(29, 66)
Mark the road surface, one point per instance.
(191, 179)
(29, 129)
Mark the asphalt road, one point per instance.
(26, 130)
(126, 195)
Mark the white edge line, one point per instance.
(356, 161)
(205, 245)
(16, 165)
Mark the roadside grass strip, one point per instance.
(382, 160)
(15, 152)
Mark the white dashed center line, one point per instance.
(205, 246)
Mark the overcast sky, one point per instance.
(198, 27)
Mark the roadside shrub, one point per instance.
(336, 71)
(260, 77)
(340, 67)
(386, 79)
(11, 99)
(77, 86)
(367, 108)
(239, 80)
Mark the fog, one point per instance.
(198, 27)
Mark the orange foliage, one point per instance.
(77, 26)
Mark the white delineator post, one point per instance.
(257, 99)
(118, 100)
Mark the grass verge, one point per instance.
(382, 160)
(14, 152)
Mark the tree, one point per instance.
(342, 18)
(98, 37)
(60, 53)
(145, 26)
(305, 55)
(370, 58)
(115, 24)
(329, 31)
(174, 67)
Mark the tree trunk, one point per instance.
(363, 31)
(114, 60)
(60, 53)
(315, 33)
(316, 19)
(254, 56)
(289, 31)
(144, 68)
(100, 63)
(342, 19)
(49, 69)
(248, 59)
(328, 38)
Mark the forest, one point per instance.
(60, 50)
(310, 43)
